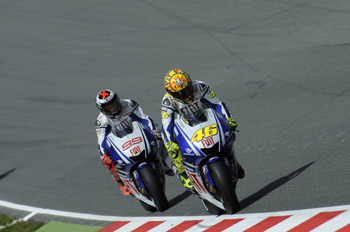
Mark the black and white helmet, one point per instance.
(107, 101)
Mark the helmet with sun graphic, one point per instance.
(179, 85)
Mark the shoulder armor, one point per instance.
(98, 123)
(166, 102)
(202, 86)
(133, 103)
(101, 120)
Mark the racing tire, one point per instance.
(211, 208)
(154, 189)
(148, 207)
(224, 187)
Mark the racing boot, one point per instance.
(182, 176)
(176, 155)
(121, 184)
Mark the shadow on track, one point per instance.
(272, 186)
(179, 198)
(2, 176)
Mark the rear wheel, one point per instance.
(154, 189)
(224, 186)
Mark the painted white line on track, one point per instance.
(32, 214)
(58, 212)
(206, 219)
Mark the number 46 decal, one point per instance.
(204, 133)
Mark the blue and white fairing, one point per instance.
(204, 138)
(131, 145)
(131, 149)
(202, 135)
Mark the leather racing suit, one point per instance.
(202, 95)
(130, 111)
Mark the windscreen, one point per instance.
(122, 129)
(195, 118)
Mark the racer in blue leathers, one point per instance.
(184, 96)
(115, 115)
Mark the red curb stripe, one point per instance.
(267, 223)
(224, 224)
(184, 226)
(316, 221)
(344, 229)
(148, 226)
(114, 226)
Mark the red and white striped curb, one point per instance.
(331, 219)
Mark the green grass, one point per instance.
(20, 226)
(8, 224)
(23, 227)
(4, 220)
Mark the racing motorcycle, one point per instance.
(206, 143)
(134, 151)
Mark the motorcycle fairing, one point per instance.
(193, 151)
(127, 162)
(196, 156)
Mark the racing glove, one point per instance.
(173, 149)
(231, 122)
(107, 162)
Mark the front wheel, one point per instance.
(224, 186)
(154, 189)
(148, 207)
(212, 208)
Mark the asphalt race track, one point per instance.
(281, 67)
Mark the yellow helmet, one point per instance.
(179, 85)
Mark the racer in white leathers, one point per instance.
(186, 96)
(116, 115)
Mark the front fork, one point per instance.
(156, 165)
(231, 166)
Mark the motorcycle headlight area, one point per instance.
(142, 156)
(139, 157)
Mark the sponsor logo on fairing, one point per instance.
(205, 169)
(196, 183)
(208, 142)
(131, 143)
(135, 151)
(188, 151)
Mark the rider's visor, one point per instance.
(114, 107)
(185, 95)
